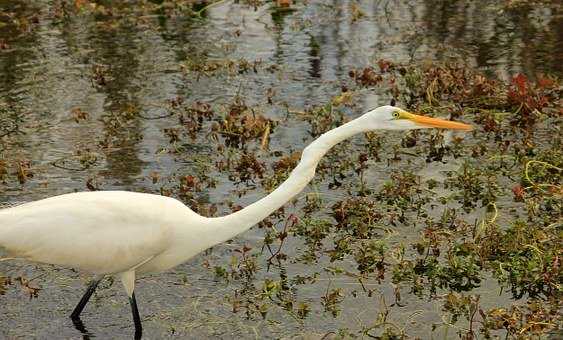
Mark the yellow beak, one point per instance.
(435, 122)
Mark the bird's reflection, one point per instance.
(79, 325)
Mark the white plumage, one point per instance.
(102, 232)
(124, 233)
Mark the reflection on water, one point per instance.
(116, 80)
(121, 63)
(524, 39)
(104, 65)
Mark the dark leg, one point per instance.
(78, 309)
(136, 317)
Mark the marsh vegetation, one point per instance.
(418, 235)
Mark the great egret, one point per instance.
(126, 234)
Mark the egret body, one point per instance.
(126, 234)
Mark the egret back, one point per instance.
(100, 232)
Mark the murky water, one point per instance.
(138, 61)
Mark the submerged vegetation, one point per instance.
(451, 233)
(497, 216)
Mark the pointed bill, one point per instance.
(437, 122)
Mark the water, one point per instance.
(135, 60)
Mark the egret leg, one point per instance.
(78, 309)
(136, 317)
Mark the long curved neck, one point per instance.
(231, 225)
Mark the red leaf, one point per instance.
(518, 192)
(521, 82)
(384, 65)
(545, 83)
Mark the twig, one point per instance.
(534, 184)
(213, 4)
(155, 117)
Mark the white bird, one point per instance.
(126, 234)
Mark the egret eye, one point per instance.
(396, 115)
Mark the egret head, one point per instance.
(394, 118)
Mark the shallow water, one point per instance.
(136, 61)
